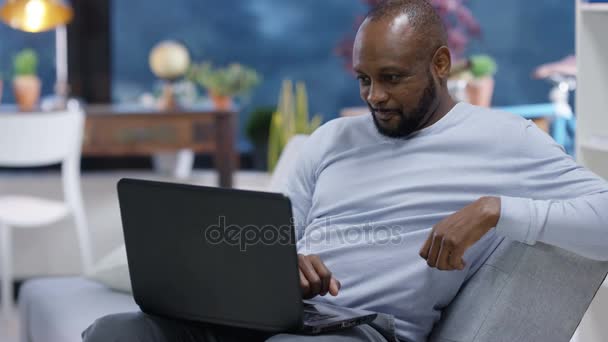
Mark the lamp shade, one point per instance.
(35, 15)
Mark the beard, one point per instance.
(413, 120)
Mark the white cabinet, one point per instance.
(592, 128)
(592, 86)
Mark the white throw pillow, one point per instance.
(113, 271)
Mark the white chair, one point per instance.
(32, 140)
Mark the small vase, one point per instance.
(27, 92)
(167, 100)
(479, 91)
(221, 102)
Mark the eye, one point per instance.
(392, 78)
(363, 80)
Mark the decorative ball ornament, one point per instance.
(169, 60)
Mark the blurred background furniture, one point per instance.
(591, 96)
(39, 139)
(592, 126)
(557, 117)
(120, 130)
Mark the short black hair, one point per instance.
(423, 18)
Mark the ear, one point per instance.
(442, 62)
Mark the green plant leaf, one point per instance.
(233, 80)
(25, 63)
(291, 118)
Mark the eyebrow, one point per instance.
(389, 69)
(395, 69)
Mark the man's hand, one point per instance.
(451, 237)
(315, 278)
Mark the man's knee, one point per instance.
(132, 326)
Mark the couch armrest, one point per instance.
(522, 293)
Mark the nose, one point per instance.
(376, 95)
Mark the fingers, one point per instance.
(424, 252)
(443, 259)
(434, 250)
(456, 260)
(315, 277)
(334, 286)
(442, 252)
(304, 285)
(310, 274)
(319, 278)
(323, 273)
(453, 235)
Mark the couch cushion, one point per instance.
(59, 309)
(113, 270)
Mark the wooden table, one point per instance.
(118, 130)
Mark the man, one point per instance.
(422, 176)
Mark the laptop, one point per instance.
(220, 256)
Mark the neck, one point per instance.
(444, 104)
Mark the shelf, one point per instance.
(596, 143)
(594, 7)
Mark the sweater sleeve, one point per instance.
(562, 204)
(300, 186)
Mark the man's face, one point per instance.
(396, 84)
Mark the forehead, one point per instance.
(385, 42)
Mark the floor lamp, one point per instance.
(39, 16)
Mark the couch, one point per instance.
(521, 293)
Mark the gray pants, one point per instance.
(138, 326)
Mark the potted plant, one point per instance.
(257, 130)
(223, 84)
(26, 83)
(291, 118)
(475, 78)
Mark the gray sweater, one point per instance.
(366, 203)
